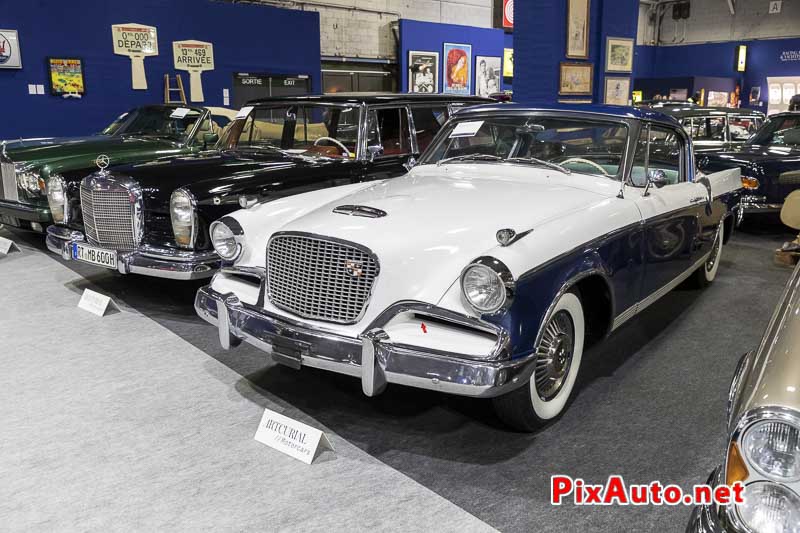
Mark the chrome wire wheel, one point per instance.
(554, 356)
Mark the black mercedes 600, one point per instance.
(153, 218)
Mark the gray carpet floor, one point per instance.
(650, 406)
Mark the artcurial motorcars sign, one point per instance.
(790, 55)
(9, 49)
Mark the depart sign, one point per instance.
(195, 57)
(136, 41)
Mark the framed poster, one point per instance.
(487, 75)
(617, 91)
(575, 79)
(423, 72)
(66, 76)
(578, 29)
(755, 94)
(508, 62)
(619, 54)
(10, 56)
(457, 63)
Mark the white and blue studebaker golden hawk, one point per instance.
(521, 237)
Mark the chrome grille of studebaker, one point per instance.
(9, 181)
(319, 278)
(108, 216)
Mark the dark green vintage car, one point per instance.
(140, 135)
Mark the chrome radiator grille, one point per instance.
(108, 217)
(9, 183)
(319, 278)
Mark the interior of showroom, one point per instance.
(405, 265)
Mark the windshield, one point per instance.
(308, 130)
(780, 131)
(585, 146)
(743, 126)
(174, 123)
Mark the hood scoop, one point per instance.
(360, 211)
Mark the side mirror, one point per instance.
(655, 177)
(374, 151)
(209, 138)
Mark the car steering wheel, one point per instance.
(586, 161)
(337, 143)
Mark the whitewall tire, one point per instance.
(557, 359)
(706, 273)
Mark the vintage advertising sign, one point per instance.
(136, 41)
(195, 57)
(291, 437)
(66, 76)
(9, 49)
(508, 14)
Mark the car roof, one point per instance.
(616, 111)
(371, 98)
(691, 110)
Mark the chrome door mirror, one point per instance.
(655, 177)
(412, 161)
(374, 151)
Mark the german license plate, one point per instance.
(95, 256)
(8, 219)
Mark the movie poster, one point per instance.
(66, 76)
(488, 74)
(423, 72)
(457, 64)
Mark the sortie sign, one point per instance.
(136, 41)
(195, 57)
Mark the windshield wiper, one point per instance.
(540, 162)
(470, 157)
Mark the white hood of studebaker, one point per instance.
(439, 219)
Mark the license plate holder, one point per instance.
(95, 256)
(288, 351)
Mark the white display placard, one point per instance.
(10, 56)
(180, 112)
(194, 57)
(466, 129)
(96, 303)
(136, 41)
(7, 246)
(244, 112)
(291, 437)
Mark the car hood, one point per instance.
(80, 152)
(756, 154)
(439, 219)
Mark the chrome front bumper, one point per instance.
(372, 356)
(146, 260)
(758, 204)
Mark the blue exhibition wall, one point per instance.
(246, 38)
(540, 45)
(431, 36)
(772, 57)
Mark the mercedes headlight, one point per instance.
(182, 212)
(30, 181)
(57, 199)
(770, 508)
(486, 285)
(224, 241)
(773, 448)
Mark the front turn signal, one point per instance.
(749, 183)
(735, 469)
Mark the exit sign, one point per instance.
(775, 7)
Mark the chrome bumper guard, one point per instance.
(709, 518)
(372, 357)
(146, 260)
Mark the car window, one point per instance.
(389, 131)
(428, 120)
(742, 127)
(657, 148)
(705, 128)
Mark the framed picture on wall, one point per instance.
(575, 79)
(617, 91)
(488, 73)
(457, 65)
(423, 72)
(619, 54)
(508, 62)
(755, 95)
(66, 76)
(10, 56)
(578, 29)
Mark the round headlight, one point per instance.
(224, 241)
(483, 288)
(773, 448)
(181, 208)
(57, 198)
(770, 508)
